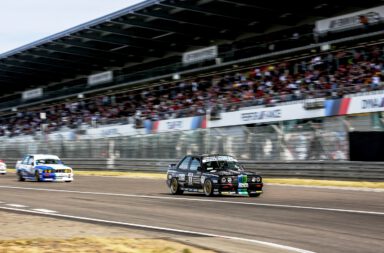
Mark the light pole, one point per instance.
(43, 126)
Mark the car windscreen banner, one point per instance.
(219, 158)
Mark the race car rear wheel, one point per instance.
(175, 187)
(37, 176)
(208, 188)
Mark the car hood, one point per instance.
(230, 172)
(53, 166)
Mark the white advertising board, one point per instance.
(265, 115)
(29, 94)
(200, 55)
(102, 77)
(351, 20)
(181, 124)
(113, 131)
(369, 103)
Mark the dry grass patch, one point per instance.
(149, 175)
(96, 244)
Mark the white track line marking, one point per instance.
(270, 244)
(342, 188)
(16, 205)
(198, 200)
(44, 210)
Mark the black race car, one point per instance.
(212, 175)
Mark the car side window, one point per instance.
(25, 160)
(30, 160)
(213, 165)
(184, 164)
(194, 164)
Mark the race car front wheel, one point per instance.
(208, 188)
(175, 188)
(21, 178)
(37, 176)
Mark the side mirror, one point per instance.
(199, 168)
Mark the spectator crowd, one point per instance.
(329, 75)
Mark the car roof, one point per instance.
(45, 156)
(205, 155)
(209, 155)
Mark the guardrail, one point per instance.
(372, 171)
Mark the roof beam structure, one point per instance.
(149, 39)
(166, 26)
(161, 38)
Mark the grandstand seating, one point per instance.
(322, 75)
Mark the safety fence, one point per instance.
(247, 143)
(371, 171)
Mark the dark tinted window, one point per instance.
(194, 164)
(184, 164)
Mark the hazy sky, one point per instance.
(25, 21)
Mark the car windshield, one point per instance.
(48, 161)
(221, 163)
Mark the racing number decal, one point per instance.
(190, 178)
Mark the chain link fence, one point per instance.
(261, 143)
(284, 141)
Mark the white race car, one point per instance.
(43, 168)
(3, 167)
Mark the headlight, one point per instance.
(229, 180)
(223, 180)
(253, 179)
(258, 179)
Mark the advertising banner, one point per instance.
(181, 124)
(113, 131)
(265, 115)
(351, 20)
(361, 104)
(29, 94)
(99, 78)
(199, 55)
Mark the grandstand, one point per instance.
(176, 59)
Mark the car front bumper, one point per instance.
(57, 177)
(251, 188)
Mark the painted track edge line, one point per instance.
(133, 225)
(341, 188)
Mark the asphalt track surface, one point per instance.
(283, 219)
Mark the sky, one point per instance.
(26, 21)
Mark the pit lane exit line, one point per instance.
(198, 200)
(180, 231)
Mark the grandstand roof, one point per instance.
(155, 33)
